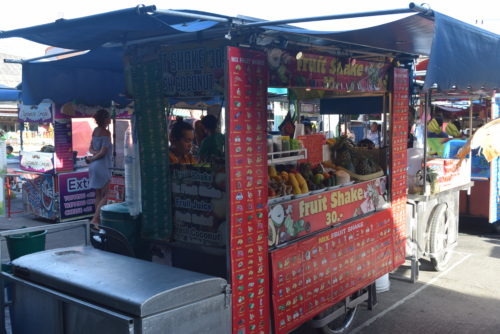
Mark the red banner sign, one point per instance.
(293, 219)
(247, 172)
(314, 274)
(324, 72)
(399, 160)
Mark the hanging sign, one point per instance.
(40, 113)
(247, 169)
(294, 219)
(305, 70)
(41, 162)
(196, 70)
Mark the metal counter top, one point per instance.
(126, 284)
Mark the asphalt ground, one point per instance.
(463, 299)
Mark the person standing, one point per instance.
(100, 162)
(374, 134)
(213, 144)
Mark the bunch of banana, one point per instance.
(452, 130)
(433, 126)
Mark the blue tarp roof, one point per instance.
(460, 54)
(7, 94)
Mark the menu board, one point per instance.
(247, 171)
(63, 159)
(199, 205)
(293, 219)
(311, 275)
(399, 161)
(76, 198)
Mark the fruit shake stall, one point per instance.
(293, 252)
(55, 176)
(311, 250)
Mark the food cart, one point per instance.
(288, 258)
(52, 166)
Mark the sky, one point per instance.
(24, 13)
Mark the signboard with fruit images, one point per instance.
(293, 219)
(39, 195)
(199, 205)
(313, 274)
(247, 171)
(399, 161)
(305, 70)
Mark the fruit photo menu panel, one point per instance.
(399, 121)
(313, 274)
(247, 171)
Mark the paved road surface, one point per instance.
(461, 300)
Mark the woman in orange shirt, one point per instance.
(181, 142)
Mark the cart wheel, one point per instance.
(342, 323)
(439, 237)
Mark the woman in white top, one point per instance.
(374, 135)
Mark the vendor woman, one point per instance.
(181, 142)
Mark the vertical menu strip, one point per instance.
(247, 171)
(399, 138)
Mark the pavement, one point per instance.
(463, 299)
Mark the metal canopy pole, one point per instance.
(192, 15)
(411, 8)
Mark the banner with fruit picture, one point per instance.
(306, 70)
(292, 219)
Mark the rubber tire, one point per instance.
(345, 322)
(439, 234)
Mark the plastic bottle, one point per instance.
(132, 175)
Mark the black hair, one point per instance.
(100, 117)
(8, 147)
(439, 120)
(209, 122)
(177, 130)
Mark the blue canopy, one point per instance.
(8, 94)
(460, 54)
(94, 78)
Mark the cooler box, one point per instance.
(88, 291)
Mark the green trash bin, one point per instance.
(25, 243)
(117, 216)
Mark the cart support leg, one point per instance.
(372, 296)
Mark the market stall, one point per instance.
(52, 165)
(309, 242)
